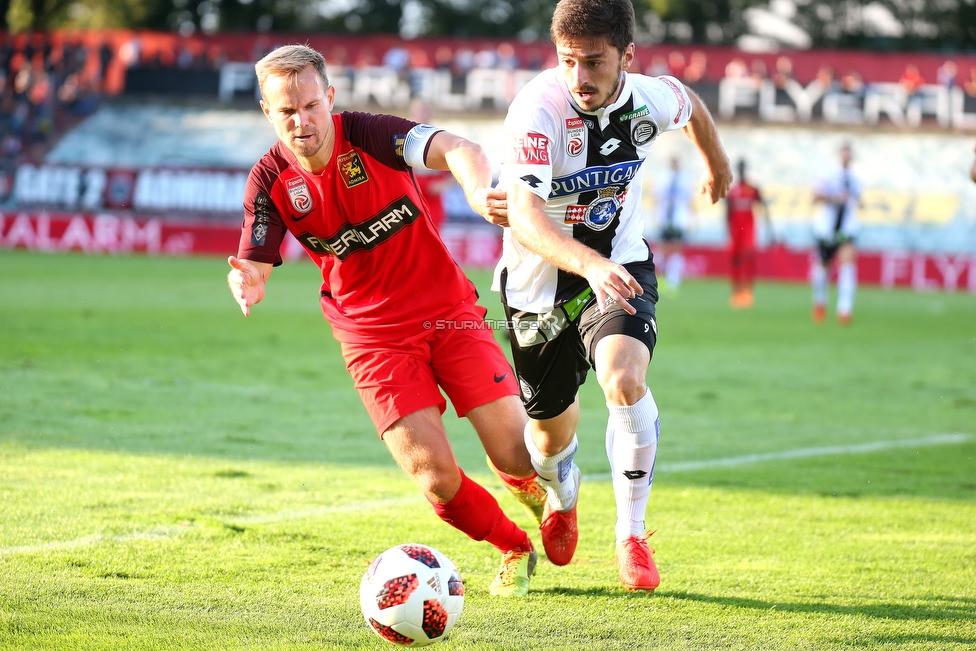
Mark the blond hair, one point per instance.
(288, 61)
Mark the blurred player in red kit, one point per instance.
(402, 310)
(742, 200)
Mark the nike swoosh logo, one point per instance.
(499, 379)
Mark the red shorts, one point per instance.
(457, 352)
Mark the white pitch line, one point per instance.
(159, 533)
(799, 453)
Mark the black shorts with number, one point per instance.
(553, 352)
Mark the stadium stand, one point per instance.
(150, 125)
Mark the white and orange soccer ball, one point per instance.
(411, 595)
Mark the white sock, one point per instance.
(674, 268)
(818, 280)
(846, 286)
(632, 434)
(555, 472)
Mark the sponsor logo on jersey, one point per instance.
(299, 195)
(594, 178)
(633, 115)
(575, 136)
(527, 149)
(643, 132)
(351, 169)
(262, 215)
(679, 95)
(366, 235)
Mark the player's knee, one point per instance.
(622, 386)
(438, 483)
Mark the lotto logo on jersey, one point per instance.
(299, 195)
(575, 136)
(527, 149)
(679, 94)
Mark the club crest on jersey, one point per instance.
(643, 132)
(299, 195)
(575, 136)
(351, 169)
(599, 214)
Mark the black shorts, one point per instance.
(827, 249)
(553, 352)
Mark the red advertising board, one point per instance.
(472, 246)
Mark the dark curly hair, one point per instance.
(610, 19)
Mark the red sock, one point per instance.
(515, 482)
(476, 513)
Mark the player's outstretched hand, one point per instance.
(491, 204)
(612, 283)
(246, 283)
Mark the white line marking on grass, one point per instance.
(800, 453)
(280, 516)
(160, 533)
(152, 534)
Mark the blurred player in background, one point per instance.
(576, 276)
(343, 185)
(742, 201)
(674, 189)
(840, 194)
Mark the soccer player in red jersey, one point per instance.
(402, 310)
(742, 200)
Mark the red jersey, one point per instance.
(363, 220)
(742, 199)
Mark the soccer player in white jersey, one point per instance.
(576, 276)
(835, 230)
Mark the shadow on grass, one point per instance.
(949, 608)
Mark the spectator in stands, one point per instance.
(507, 56)
(784, 71)
(697, 67)
(911, 80)
(946, 74)
(676, 64)
(736, 69)
(658, 67)
(852, 83)
(970, 84)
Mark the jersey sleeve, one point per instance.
(383, 137)
(527, 149)
(670, 106)
(263, 229)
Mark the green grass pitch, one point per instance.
(175, 476)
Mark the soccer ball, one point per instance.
(411, 595)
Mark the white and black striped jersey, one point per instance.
(838, 218)
(587, 166)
